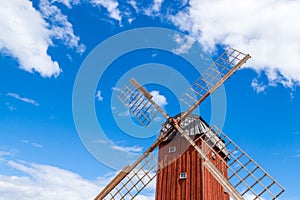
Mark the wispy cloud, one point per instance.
(157, 5)
(111, 6)
(68, 3)
(60, 27)
(185, 44)
(115, 89)
(256, 27)
(258, 87)
(98, 96)
(154, 9)
(35, 144)
(5, 153)
(24, 99)
(134, 149)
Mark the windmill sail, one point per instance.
(244, 179)
(139, 102)
(226, 65)
(134, 178)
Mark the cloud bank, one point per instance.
(46, 182)
(268, 30)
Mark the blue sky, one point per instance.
(46, 45)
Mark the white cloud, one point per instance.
(154, 9)
(37, 145)
(24, 99)
(258, 87)
(133, 4)
(24, 36)
(5, 153)
(157, 5)
(116, 89)
(159, 99)
(45, 182)
(98, 96)
(268, 30)
(185, 44)
(134, 149)
(68, 3)
(48, 182)
(111, 6)
(60, 27)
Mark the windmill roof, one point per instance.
(195, 125)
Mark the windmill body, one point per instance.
(181, 174)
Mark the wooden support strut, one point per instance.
(149, 97)
(214, 88)
(209, 166)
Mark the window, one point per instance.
(213, 155)
(172, 149)
(182, 175)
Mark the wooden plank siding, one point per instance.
(199, 183)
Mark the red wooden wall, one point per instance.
(199, 183)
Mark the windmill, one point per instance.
(195, 160)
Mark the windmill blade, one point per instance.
(245, 179)
(134, 178)
(226, 65)
(249, 179)
(131, 181)
(244, 174)
(140, 103)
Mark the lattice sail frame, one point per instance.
(135, 180)
(241, 183)
(212, 75)
(244, 174)
(138, 104)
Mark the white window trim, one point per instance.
(182, 175)
(172, 149)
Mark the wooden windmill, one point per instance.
(195, 160)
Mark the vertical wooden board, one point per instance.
(188, 174)
(183, 168)
(164, 184)
(193, 175)
(172, 181)
(178, 191)
(158, 181)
